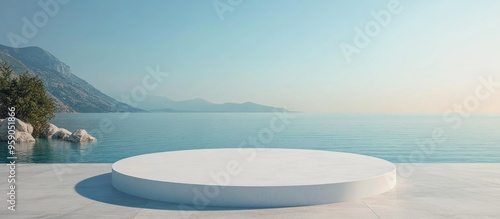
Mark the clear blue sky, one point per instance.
(283, 53)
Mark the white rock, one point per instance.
(29, 128)
(62, 134)
(23, 126)
(81, 135)
(20, 125)
(22, 131)
(24, 137)
(50, 130)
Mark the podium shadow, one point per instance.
(99, 188)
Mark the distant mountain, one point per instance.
(164, 104)
(69, 92)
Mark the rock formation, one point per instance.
(24, 130)
(80, 135)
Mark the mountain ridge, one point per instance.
(165, 104)
(69, 92)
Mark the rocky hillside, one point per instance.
(69, 92)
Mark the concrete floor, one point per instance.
(85, 191)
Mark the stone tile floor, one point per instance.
(466, 190)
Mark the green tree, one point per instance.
(27, 94)
(5, 76)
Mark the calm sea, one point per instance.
(397, 138)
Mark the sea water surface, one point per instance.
(397, 138)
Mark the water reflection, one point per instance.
(48, 151)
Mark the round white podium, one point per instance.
(253, 177)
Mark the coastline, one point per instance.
(434, 190)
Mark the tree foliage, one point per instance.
(27, 94)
